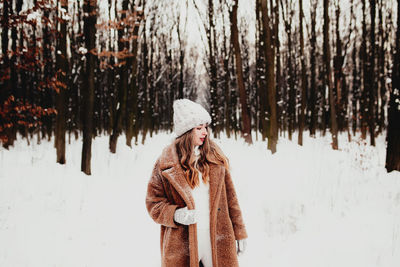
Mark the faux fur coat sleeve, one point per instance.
(160, 210)
(234, 209)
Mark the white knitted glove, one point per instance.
(185, 216)
(241, 246)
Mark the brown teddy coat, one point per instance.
(169, 190)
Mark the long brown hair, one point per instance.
(210, 153)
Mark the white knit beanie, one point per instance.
(187, 115)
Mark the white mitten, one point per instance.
(185, 216)
(241, 246)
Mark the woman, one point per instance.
(191, 195)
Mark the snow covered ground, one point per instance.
(304, 206)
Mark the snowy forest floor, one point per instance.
(304, 206)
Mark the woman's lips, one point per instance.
(202, 139)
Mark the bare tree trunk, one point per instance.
(48, 72)
(365, 75)
(303, 77)
(181, 54)
(270, 69)
(146, 73)
(132, 120)
(328, 76)
(355, 90)
(380, 110)
(345, 87)
(261, 74)
(123, 84)
(313, 86)
(356, 73)
(278, 76)
(22, 85)
(170, 85)
(226, 48)
(77, 85)
(246, 127)
(210, 33)
(5, 67)
(393, 131)
(150, 100)
(338, 61)
(288, 16)
(88, 93)
(372, 86)
(33, 77)
(62, 69)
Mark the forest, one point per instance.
(86, 68)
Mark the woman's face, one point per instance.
(199, 134)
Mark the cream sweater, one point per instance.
(201, 199)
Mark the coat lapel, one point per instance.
(171, 169)
(177, 179)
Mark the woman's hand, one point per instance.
(185, 216)
(241, 246)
